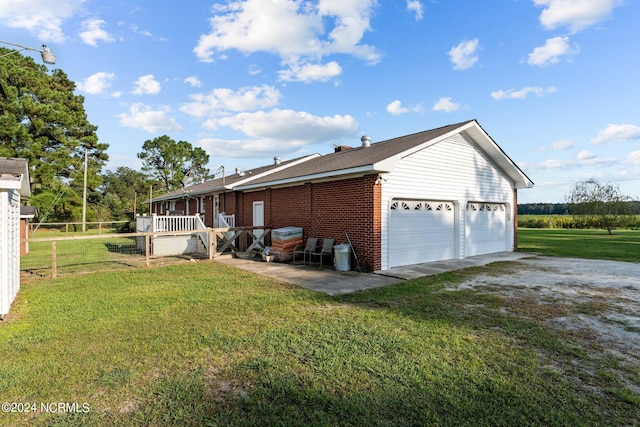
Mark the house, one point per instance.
(445, 193)
(208, 197)
(26, 213)
(14, 185)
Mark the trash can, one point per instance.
(342, 257)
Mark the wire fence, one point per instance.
(54, 257)
(73, 228)
(59, 254)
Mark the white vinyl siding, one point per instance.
(455, 170)
(9, 248)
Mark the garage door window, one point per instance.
(422, 206)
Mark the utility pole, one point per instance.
(84, 194)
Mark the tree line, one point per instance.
(44, 121)
(592, 204)
(633, 207)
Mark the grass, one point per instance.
(623, 245)
(204, 344)
(81, 256)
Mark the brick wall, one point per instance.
(193, 207)
(324, 210)
(208, 211)
(351, 205)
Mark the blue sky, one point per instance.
(554, 82)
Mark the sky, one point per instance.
(556, 83)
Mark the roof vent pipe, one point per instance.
(276, 160)
(366, 141)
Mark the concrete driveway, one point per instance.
(337, 282)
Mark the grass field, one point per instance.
(623, 245)
(81, 256)
(203, 344)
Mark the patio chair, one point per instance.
(325, 251)
(312, 245)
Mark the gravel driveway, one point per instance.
(596, 297)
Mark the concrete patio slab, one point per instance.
(334, 282)
(430, 268)
(312, 277)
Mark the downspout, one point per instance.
(515, 219)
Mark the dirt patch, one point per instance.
(595, 298)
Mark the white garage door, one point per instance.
(421, 231)
(485, 228)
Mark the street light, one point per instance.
(45, 52)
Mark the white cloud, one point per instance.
(416, 7)
(277, 132)
(142, 116)
(289, 124)
(583, 159)
(633, 158)
(522, 93)
(553, 164)
(91, 32)
(146, 85)
(575, 14)
(222, 101)
(464, 55)
(44, 18)
(585, 155)
(617, 133)
(97, 84)
(551, 52)
(446, 105)
(136, 30)
(396, 108)
(562, 145)
(311, 72)
(193, 81)
(300, 33)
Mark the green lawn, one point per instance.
(205, 344)
(623, 245)
(81, 256)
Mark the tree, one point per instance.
(603, 200)
(124, 191)
(174, 164)
(43, 121)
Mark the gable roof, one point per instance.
(228, 182)
(381, 157)
(14, 174)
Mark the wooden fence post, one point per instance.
(212, 243)
(54, 260)
(147, 248)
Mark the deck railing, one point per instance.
(174, 222)
(227, 221)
